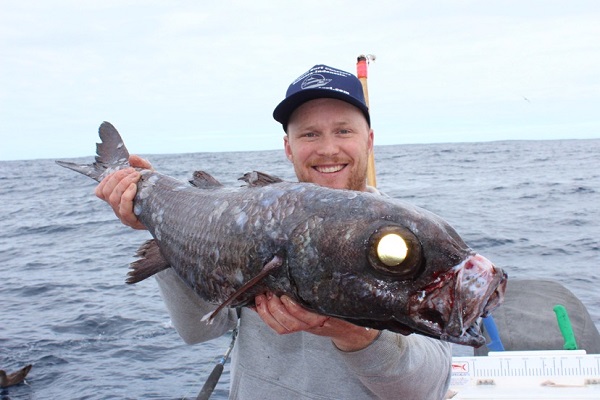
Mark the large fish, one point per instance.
(365, 258)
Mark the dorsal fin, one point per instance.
(275, 263)
(204, 180)
(151, 262)
(257, 178)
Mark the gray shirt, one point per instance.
(266, 365)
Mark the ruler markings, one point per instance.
(545, 364)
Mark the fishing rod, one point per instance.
(215, 375)
(362, 63)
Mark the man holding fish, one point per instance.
(284, 350)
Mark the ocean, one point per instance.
(532, 207)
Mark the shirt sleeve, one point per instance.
(187, 310)
(416, 366)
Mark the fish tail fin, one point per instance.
(112, 155)
(151, 262)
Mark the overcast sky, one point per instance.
(193, 76)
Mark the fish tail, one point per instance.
(112, 155)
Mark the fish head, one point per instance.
(399, 268)
(451, 306)
(451, 287)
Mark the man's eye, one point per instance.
(344, 131)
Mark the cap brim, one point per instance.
(284, 110)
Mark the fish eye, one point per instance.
(392, 250)
(396, 251)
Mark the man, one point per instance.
(284, 351)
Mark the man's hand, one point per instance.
(284, 316)
(119, 188)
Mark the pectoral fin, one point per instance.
(151, 262)
(269, 267)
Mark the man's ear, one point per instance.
(286, 147)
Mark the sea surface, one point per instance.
(532, 207)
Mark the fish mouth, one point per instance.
(451, 308)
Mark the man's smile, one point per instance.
(329, 169)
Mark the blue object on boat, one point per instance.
(495, 343)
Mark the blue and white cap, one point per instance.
(318, 82)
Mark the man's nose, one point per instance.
(328, 146)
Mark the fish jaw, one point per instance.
(451, 307)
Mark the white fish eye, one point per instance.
(395, 250)
(392, 249)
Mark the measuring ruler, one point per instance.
(570, 374)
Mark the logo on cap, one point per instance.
(314, 81)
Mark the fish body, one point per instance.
(365, 258)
